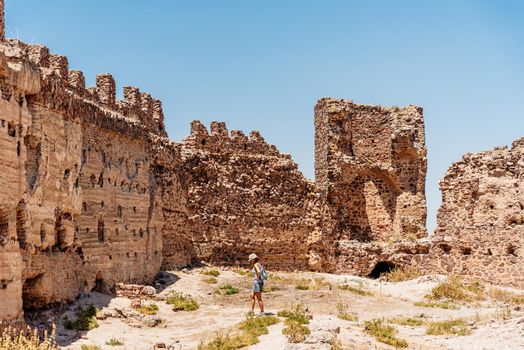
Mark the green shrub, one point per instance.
(384, 333)
(456, 327)
(250, 329)
(408, 321)
(210, 272)
(226, 289)
(506, 297)
(85, 319)
(295, 313)
(114, 342)
(149, 309)
(182, 302)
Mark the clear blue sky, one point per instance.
(263, 64)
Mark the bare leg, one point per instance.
(252, 301)
(260, 302)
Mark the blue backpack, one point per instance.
(263, 273)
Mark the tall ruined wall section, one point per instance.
(243, 197)
(80, 208)
(370, 163)
(481, 221)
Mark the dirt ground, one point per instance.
(493, 326)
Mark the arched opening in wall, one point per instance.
(101, 286)
(11, 129)
(381, 268)
(4, 226)
(32, 297)
(101, 230)
(21, 223)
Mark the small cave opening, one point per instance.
(4, 225)
(21, 223)
(32, 297)
(381, 268)
(101, 286)
(101, 230)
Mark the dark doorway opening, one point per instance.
(381, 268)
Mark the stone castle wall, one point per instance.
(370, 163)
(94, 193)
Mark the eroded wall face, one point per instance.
(371, 166)
(80, 207)
(244, 197)
(480, 228)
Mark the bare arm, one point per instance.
(257, 270)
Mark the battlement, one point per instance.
(220, 140)
(138, 107)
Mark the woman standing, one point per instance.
(258, 283)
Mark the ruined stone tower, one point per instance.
(370, 163)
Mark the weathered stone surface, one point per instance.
(370, 163)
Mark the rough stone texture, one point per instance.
(94, 194)
(370, 163)
(245, 196)
(79, 210)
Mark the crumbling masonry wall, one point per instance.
(370, 163)
(243, 197)
(80, 208)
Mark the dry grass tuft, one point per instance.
(210, 272)
(295, 332)
(114, 342)
(384, 333)
(405, 273)
(345, 314)
(210, 280)
(356, 290)
(458, 289)
(90, 347)
(456, 327)
(27, 339)
(408, 321)
(506, 297)
(443, 305)
(182, 302)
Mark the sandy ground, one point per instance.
(186, 329)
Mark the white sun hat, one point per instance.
(252, 256)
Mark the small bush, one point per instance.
(149, 309)
(506, 297)
(226, 289)
(250, 329)
(85, 319)
(27, 339)
(295, 331)
(182, 302)
(384, 333)
(271, 289)
(356, 290)
(210, 280)
(443, 305)
(400, 274)
(456, 327)
(257, 326)
(273, 277)
(114, 342)
(210, 272)
(345, 314)
(90, 347)
(457, 289)
(302, 284)
(295, 313)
